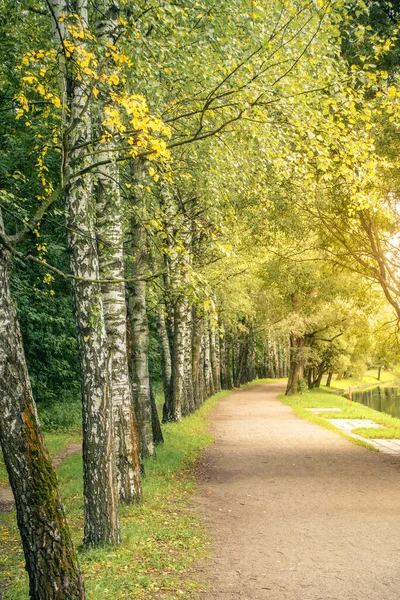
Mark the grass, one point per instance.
(319, 398)
(390, 433)
(161, 537)
(60, 416)
(326, 398)
(261, 381)
(56, 443)
(61, 424)
(369, 378)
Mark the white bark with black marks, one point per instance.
(50, 557)
(137, 313)
(197, 362)
(99, 460)
(208, 376)
(111, 256)
(174, 411)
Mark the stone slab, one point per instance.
(347, 425)
(386, 446)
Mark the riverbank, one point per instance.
(306, 405)
(369, 379)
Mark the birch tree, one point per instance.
(110, 236)
(50, 557)
(99, 459)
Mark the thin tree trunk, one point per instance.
(296, 370)
(223, 349)
(178, 361)
(286, 363)
(329, 379)
(276, 359)
(318, 379)
(215, 367)
(50, 556)
(309, 375)
(271, 366)
(209, 384)
(197, 331)
(140, 336)
(189, 389)
(229, 345)
(243, 358)
(253, 357)
(202, 383)
(155, 420)
(165, 352)
(265, 358)
(233, 361)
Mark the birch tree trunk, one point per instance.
(265, 358)
(50, 557)
(140, 336)
(229, 350)
(197, 330)
(233, 359)
(174, 411)
(271, 363)
(155, 421)
(208, 378)
(224, 362)
(252, 356)
(111, 257)
(165, 352)
(99, 459)
(188, 364)
(214, 357)
(112, 267)
(276, 358)
(286, 360)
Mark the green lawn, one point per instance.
(161, 537)
(326, 398)
(56, 443)
(369, 378)
(261, 381)
(389, 433)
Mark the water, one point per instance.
(384, 399)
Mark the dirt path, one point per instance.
(294, 510)
(6, 495)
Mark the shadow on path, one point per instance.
(295, 511)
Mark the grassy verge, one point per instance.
(161, 537)
(325, 398)
(261, 381)
(390, 433)
(56, 443)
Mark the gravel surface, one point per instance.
(295, 512)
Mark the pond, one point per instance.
(384, 399)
